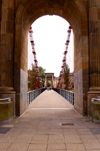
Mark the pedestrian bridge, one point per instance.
(50, 99)
(50, 124)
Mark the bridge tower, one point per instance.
(49, 77)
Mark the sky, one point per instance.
(50, 35)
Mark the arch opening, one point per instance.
(50, 35)
(75, 13)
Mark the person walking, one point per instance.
(50, 87)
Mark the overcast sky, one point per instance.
(50, 35)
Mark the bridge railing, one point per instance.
(68, 95)
(33, 94)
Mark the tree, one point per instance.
(66, 76)
(42, 74)
(29, 85)
(48, 84)
(34, 82)
(33, 78)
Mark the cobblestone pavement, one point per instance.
(50, 124)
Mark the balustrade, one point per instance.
(68, 95)
(33, 94)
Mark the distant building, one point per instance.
(55, 82)
(62, 85)
(71, 81)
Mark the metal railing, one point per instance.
(33, 94)
(68, 95)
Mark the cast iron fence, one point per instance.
(68, 95)
(33, 94)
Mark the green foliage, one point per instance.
(29, 85)
(66, 76)
(42, 74)
(48, 84)
(33, 79)
(34, 83)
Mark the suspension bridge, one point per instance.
(36, 62)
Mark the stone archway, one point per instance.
(17, 17)
(49, 77)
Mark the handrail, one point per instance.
(68, 95)
(9, 99)
(33, 94)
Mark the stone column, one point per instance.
(6, 50)
(45, 80)
(94, 45)
(52, 82)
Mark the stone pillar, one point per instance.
(94, 45)
(52, 82)
(45, 80)
(6, 50)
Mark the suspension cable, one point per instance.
(35, 60)
(64, 58)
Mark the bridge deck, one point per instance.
(50, 124)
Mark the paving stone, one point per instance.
(40, 139)
(8, 139)
(56, 137)
(19, 146)
(25, 136)
(58, 141)
(56, 131)
(16, 149)
(76, 150)
(24, 140)
(56, 150)
(87, 136)
(42, 131)
(4, 145)
(35, 150)
(71, 136)
(37, 146)
(70, 132)
(73, 141)
(92, 146)
(56, 146)
(75, 147)
(90, 141)
(84, 131)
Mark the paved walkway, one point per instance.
(50, 124)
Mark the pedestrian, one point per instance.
(50, 87)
